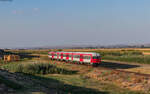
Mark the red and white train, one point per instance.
(80, 57)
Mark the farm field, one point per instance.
(131, 55)
(36, 74)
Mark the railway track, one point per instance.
(99, 67)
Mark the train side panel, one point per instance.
(87, 58)
(82, 57)
(76, 57)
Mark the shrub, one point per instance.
(37, 68)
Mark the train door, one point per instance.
(72, 56)
(81, 58)
(61, 55)
(87, 58)
(52, 55)
(57, 55)
(67, 56)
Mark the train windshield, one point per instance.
(96, 57)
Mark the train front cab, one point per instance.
(96, 60)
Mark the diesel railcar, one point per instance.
(80, 57)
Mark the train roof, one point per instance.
(93, 53)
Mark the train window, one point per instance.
(67, 55)
(96, 57)
(70, 55)
(86, 57)
(76, 56)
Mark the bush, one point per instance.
(37, 68)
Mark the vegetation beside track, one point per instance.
(125, 55)
(41, 75)
(36, 68)
(56, 82)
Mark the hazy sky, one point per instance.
(30, 23)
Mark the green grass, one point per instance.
(29, 51)
(131, 58)
(120, 53)
(62, 80)
(117, 55)
(125, 56)
(87, 85)
(63, 83)
(36, 68)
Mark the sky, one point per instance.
(36, 23)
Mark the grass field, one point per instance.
(36, 74)
(39, 75)
(72, 81)
(135, 55)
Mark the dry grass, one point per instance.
(114, 49)
(78, 83)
